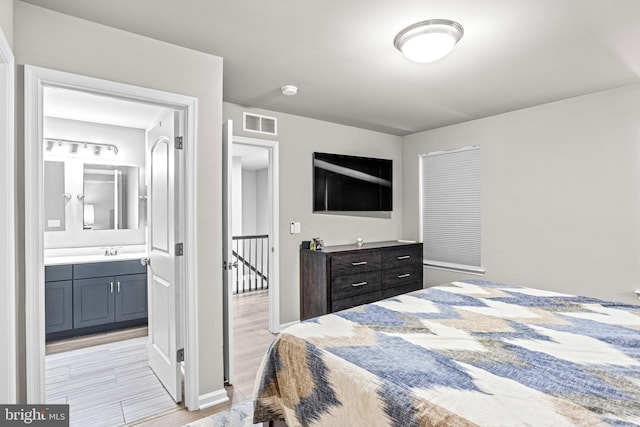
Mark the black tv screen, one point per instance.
(350, 183)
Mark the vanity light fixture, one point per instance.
(428, 41)
(96, 147)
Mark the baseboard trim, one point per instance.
(286, 325)
(211, 399)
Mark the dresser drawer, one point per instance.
(355, 263)
(402, 256)
(343, 304)
(355, 284)
(392, 292)
(398, 276)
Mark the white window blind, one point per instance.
(451, 209)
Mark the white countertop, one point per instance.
(82, 259)
(96, 254)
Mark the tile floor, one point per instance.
(106, 385)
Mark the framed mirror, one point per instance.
(110, 197)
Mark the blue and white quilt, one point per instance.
(467, 353)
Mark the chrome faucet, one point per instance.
(110, 251)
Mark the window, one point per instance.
(451, 209)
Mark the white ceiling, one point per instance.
(88, 107)
(253, 158)
(514, 53)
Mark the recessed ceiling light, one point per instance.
(289, 90)
(428, 41)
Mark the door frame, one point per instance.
(274, 226)
(35, 79)
(8, 324)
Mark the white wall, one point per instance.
(236, 197)
(52, 40)
(298, 138)
(262, 201)
(6, 19)
(560, 193)
(8, 293)
(255, 203)
(248, 202)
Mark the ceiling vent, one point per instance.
(260, 124)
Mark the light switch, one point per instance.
(53, 223)
(294, 227)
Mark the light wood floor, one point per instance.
(99, 392)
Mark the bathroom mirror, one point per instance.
(55, 198)
(110, 197)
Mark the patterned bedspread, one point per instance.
(467, 353)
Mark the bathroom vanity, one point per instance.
(90, 297)
(94, 228)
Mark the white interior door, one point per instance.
(227, 239)
(161, 180)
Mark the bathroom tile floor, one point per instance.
(106, 385)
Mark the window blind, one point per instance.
(451, 209)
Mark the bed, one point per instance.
(466, 353)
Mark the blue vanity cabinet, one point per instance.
(131, 297)
(107, 292)
(87, 298)
(93, 302)
(58, 291)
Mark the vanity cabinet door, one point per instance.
(131, 297)
(58, 306)
(93, 301)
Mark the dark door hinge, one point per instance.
(179, 249)
(180, 355)
(179, 143)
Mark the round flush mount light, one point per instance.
(289, 90)
(428, 41)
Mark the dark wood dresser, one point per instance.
(340, 277)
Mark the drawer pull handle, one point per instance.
(359, 263)
(404, 257)
(355, 285)
(118, 287)
(111, 287)
(402, 276)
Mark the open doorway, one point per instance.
(251, 253)
(106, 232)
(96, 232)
(251, 249)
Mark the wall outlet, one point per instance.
(53, 223)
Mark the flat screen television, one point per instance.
(344, 183)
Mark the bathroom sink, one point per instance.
(81, 259)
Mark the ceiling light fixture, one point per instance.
(289, 90)
(428, 41)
